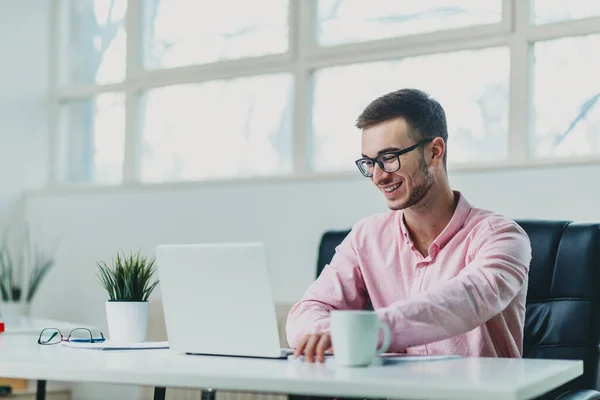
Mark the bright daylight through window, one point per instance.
(157, 91)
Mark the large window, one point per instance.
(547, 11)
(566, 97)
(93, 139)
(218, 129)
(189, 32)
(155, 91)
(346, 21)
(94, 42)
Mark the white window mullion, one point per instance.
(53, 108)
(74, 92)
(302, 121)
(301, 40)
(221, 70)
(134, 66)
(130, 161)
(429, 42)
(357, 53)
(520, 84)
(508, 13)
(558, 30)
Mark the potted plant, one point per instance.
(128, 282)
(23, 267)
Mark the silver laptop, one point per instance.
(217, 300)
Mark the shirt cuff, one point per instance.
(321, 326)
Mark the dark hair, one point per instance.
(424, 115)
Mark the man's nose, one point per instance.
(379, 174)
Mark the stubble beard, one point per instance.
(423, 181)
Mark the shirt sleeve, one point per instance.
(483, 289)
(339, 287)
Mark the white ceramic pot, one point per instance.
(127, 321)
(14, 309)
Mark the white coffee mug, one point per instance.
(355, 335)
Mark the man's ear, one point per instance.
(438, 148)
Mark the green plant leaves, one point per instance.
(40, 270)
(13, 265)
(128, 278)
(6, 268)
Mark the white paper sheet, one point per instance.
(108, 345)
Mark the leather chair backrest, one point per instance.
(563, 297)
(563, 300)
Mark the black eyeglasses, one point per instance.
(77, 335)
(388, 161)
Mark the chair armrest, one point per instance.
(580, 394)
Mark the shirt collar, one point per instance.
(463, 208)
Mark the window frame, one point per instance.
(303, 57)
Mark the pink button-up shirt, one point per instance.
(467, 297)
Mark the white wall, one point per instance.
(24, 70)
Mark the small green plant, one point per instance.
(128, 278)
(28, 259)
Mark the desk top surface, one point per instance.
(466, 378)
(21, 325)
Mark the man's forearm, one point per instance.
(339, 287)
(307, 317)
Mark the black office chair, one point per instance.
(563, 301)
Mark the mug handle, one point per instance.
(387, 337)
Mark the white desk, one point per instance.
(33, 326)
(472, 378)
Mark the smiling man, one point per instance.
(447, 277)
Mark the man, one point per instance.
(447, 278)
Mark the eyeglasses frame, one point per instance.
(62, 338)
(397, 153)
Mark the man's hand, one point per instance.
(314, 345)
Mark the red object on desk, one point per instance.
(1, 326)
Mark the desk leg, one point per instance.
(207, 394)
(159, 393)
(40, 393)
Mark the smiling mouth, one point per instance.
(392, 188)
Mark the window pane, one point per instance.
(218, 129)
(185, 32)
(93, 139)
(476, 108)
(95, 41)
(566, 97)
(546, 11)
(346, 21)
